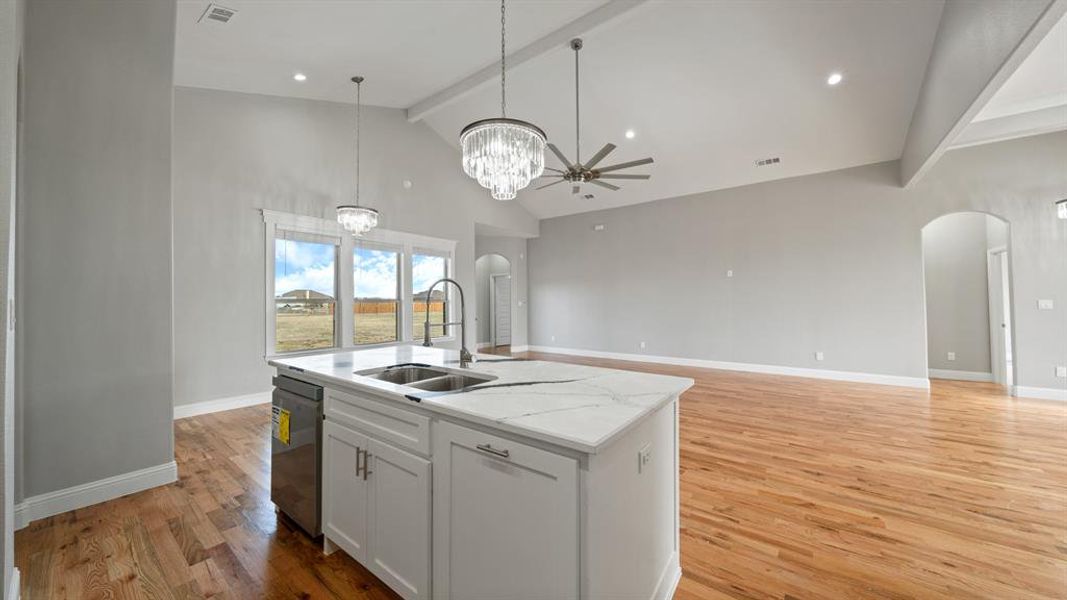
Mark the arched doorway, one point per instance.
(493, 293)
(967, 282)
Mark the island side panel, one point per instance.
(630, 529)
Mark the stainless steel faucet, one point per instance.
(465, 357)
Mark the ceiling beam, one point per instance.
(979, 44)
(557, 39)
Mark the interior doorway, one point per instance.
(493, 292)
(967, 276)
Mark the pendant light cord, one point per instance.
(359, 106)
(503, 66)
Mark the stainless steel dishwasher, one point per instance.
(296, 452)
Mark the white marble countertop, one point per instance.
(575, 406)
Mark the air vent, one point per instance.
(763, 162)
(214, 12)
(588, 196)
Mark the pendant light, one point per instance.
(503, 154)
(353, 217)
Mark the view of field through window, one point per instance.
(304, 278)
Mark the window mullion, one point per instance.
(346, 291)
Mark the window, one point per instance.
(327, 289)
(425, 270)
(376, 277)
(305, 278)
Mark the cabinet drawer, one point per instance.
(400, 427)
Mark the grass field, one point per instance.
(309, 332)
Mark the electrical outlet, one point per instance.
(1045, 304)
(553, 338)
(819, 356)
(642, 345)
(1061, 371)
(951, 356)
(729, 272)
(644, 458)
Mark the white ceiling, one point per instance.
(709, 87)
(1040, 81)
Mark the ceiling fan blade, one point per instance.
(602, 184)
(625, 165)
(554, 171)
(575, 189)
(559, 155)
(621, 176)
(599, 156)
(551, 184)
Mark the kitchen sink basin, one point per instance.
(450, 383)
(404, 375)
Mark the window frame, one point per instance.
(449, 291)
(363, 243)
(407, 244)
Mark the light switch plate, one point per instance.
(1061, 371)
(642, 345)
(729, 272)
(819, 356)
(1045, 304)
(952, 356)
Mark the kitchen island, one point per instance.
(510, 478)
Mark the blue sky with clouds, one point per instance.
(310, 266)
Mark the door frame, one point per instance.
(998, 277)
(492, 306)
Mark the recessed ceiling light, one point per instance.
(630, 134)
(300, 77)
(834, 78)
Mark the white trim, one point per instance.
(1021, 391)
(182, 411)
(668, 580)
(523, 348)
(960, 375)
(854, 376)
(483, 345)
(94, 492)
(14, 588)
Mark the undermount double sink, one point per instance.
(427, 379)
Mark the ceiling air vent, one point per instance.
(214, 12)
(763, 162)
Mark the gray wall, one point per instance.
(978, 42)
(485, 266)
(10, 49)
(94, 233)
(236, 153)
(829, 262)
(513, 249)
(957, 289)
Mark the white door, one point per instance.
(399, 551)
(505, 518)
(1000, 317)
(501, 310)
(345, 489)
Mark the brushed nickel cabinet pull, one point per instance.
(491, 450)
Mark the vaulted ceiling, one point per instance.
(708, 88)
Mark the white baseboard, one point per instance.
(94, 492)
(14, 589)
(482, 345)
(1022, 391)
(515, 349)
(960, 375)
(202, 408)
(854, 376)
(668, 580)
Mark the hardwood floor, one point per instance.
(791, 488)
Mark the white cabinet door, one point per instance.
(345, 490)
(399, 550)
(505, 518)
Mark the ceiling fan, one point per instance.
(578, 172)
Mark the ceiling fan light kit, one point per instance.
(578, 172)
(503, 155)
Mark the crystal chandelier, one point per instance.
(353, 217)
(503, 154)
